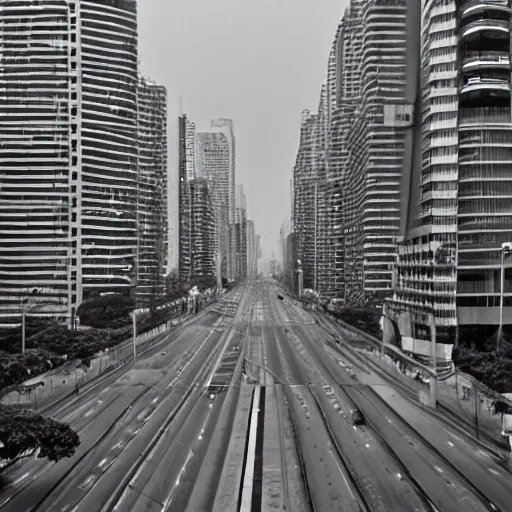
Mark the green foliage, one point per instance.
(106, 311)
(10, 338)
(16, 368)
(477, 356)
(23, 433)
(364, 318)
(53, 343)
(177, 286)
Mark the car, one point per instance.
(280, 297)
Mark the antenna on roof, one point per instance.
(181, 106)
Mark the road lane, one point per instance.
(458, 493)
(156, 376)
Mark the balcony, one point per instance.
(475, 28)
(470, 7)
(479, 85)
(484, 115)
(484, 60)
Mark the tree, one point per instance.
(102, 311)
(24, 433)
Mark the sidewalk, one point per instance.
(483, 470)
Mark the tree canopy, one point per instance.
(24, 433)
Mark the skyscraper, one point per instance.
(376, 145)
(449, 270)
(225, 126)
(187, 174)
(213, 156)
(305, 196)
(152, 191)
(203, 229)
(240, 226)
(68, 188)
(251, 250)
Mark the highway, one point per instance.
(251, 405)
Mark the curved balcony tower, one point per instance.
(68, 184)
(485, 158)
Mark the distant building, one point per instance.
(305, 182)
(187, 173)
(252, 254)
(152, 195)
(240, 226)
(225, 126)
(203, 229)
(213, 156)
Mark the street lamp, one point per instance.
(506, 250)
(134, 325)
(433, 348)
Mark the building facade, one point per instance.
(240, 249)
(152, 192)
(305, 193)
(448, 276)
(203, 229)
(187, 173)
(213, 156)
(377, 144)
(252, 265)
(68, 188)
(226, 127)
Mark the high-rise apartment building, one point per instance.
(68, 125)
(240, 226)
(187, 173)
(252, 266)
(152, 191)
(376, 140)
(305, 193)
(448, 275)
(343, 99)
(225, 127)
(213, 157)
(203, 229)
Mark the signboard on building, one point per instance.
(399, 115)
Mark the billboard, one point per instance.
(399, 115)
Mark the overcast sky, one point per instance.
(258, 62)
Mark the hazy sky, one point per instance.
(258, 62)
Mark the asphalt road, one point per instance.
(403, 458)
(117, 424)
(160, 435)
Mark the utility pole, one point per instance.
(134, 325)
(433, 348)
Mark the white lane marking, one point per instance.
(167, 502)
(248, 480)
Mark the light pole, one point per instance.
(506, 250)
(433, 349)
(134, 324)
